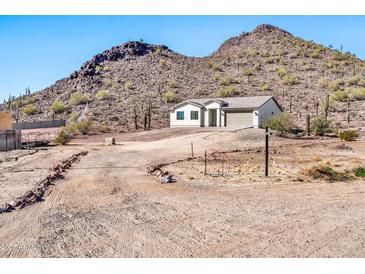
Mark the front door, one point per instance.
(213, 117)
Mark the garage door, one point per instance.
(239, 119)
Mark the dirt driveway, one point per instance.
(108, 206)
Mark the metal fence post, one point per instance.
(267, 151)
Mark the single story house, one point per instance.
(233, 112)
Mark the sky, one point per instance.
(36, 51)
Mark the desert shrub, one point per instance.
(73, 117)
(84, 127)
(19, 103)
(158, 51)
(359, 171)
(257, 67)
(316, 53)
(348, 135)
(247, 72)
(199, 91)
(30, 110)
(99, 128)
(325, 171)
(58, 107)
(128, 85)
(281, 72)
(228, 92)
(162, 63)
(107, 68)
(169, 97)
(70, 128)
(227, 80)
(78, 98)
(103, 94)
(361, 82)
(265, 87)
(62, 137)
(357, 93)
(339, 95)
(322, 83)
(280, 122)
(320, 126)
(352, 81)
(214, 66)
(253, 53)
(172, 84)
(335, 85)
(290, 80)
(272, 59)
(31, 100)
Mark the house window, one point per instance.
(179, 115)
(194, 115)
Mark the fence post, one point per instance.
(192, 150)
(222, 165)
(308, 123)
(205, 163)
(267, 151)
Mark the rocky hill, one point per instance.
(122, 81)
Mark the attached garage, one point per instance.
(238, 119)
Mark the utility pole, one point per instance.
(267, 151)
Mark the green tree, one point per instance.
(280, 122)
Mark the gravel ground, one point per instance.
(108, 206)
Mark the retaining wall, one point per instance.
(39, 124)
(10, 139)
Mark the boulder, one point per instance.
(109, 141)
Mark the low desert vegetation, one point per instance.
(323, 83)
(62, 138)
(320, 126)
(356, 93)
(58, 107)
(325, 171)
(128, 85)
(30, 110)
(169, 97)
(227, 80)
(103, 94)
(229, 91)
(359, 171)
(78, 98)
(335, 85)
(348, 135)
(84, 127)
(280, 122)
(290, 80)
(352, 81)
(158, 51)
(340, 96)
(265, 87)
(172, 84)
(162, 63)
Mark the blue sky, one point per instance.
(36, 51)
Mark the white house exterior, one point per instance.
(233, 112)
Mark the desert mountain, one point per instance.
(267, 61)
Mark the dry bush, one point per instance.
(325, 171)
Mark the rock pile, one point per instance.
(36, 194)
(163, 176)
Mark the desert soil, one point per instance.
(109, 206)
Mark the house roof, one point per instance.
(251, 102)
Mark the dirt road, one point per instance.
(108, 206)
